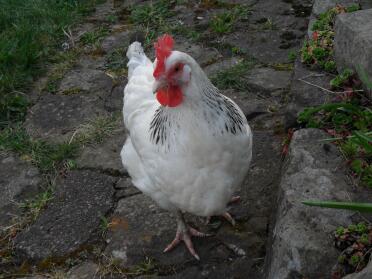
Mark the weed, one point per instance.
(116, 63)
(186, 31)
(96, 130)
(292, 55)
(151, 17)
(105, 224)
(268, 25)
(63, 61)
(34, 207)
(224, 22)
(94, 37)
(112, 18)
(342, 78)
(282, 66)
(233, 77)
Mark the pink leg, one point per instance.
(184, 233)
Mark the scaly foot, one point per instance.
(184, 233)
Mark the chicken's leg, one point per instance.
(184, 233)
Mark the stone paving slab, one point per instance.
(71, 220)
(19, 180)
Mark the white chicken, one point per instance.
(189, 147)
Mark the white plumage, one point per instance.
(190, 157)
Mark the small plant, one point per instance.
(116, 62)
(112, 18)
(94, 37)
(292, 55)
(223, 23)
(96, 130)
(268, 25)
(233, 77)
(342, 78)
(34, 207)
(151, 18)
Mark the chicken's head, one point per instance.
(172, 73)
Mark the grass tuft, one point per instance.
(224, 22)
(233, 77)
(47, 157)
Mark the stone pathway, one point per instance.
(98, 225)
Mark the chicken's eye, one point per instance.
(177, 69)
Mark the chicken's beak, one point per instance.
(158, 84)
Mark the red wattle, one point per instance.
(170, 97)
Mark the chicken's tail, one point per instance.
(136, 54)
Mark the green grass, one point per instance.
(152, 19)
(292, 55)
(47, 157)
(95, 36)
(224, 22)
(30, 32)
(34, 206)
(341, 78)
(96, 130)
(234, 77)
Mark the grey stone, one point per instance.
(71, 220)
(124, 188)
(34, 277)
(116, 40)
(86, 79)
(266, 46)
(203, 55)
(18, 180)
(143, 230)
(268, 80)
(105, 156)
(306, 94)
(365, 4)
(321, 6)
(56, 117)
(248, 103)
(87, 270)
(302, 237)
(114, 100)
(366, 273)
(353, 43)
(222, 65)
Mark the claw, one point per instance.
(184, 233)
(229, 218)
(235, 199)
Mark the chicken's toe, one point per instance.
(185, 236)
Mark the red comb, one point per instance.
(163, 48)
